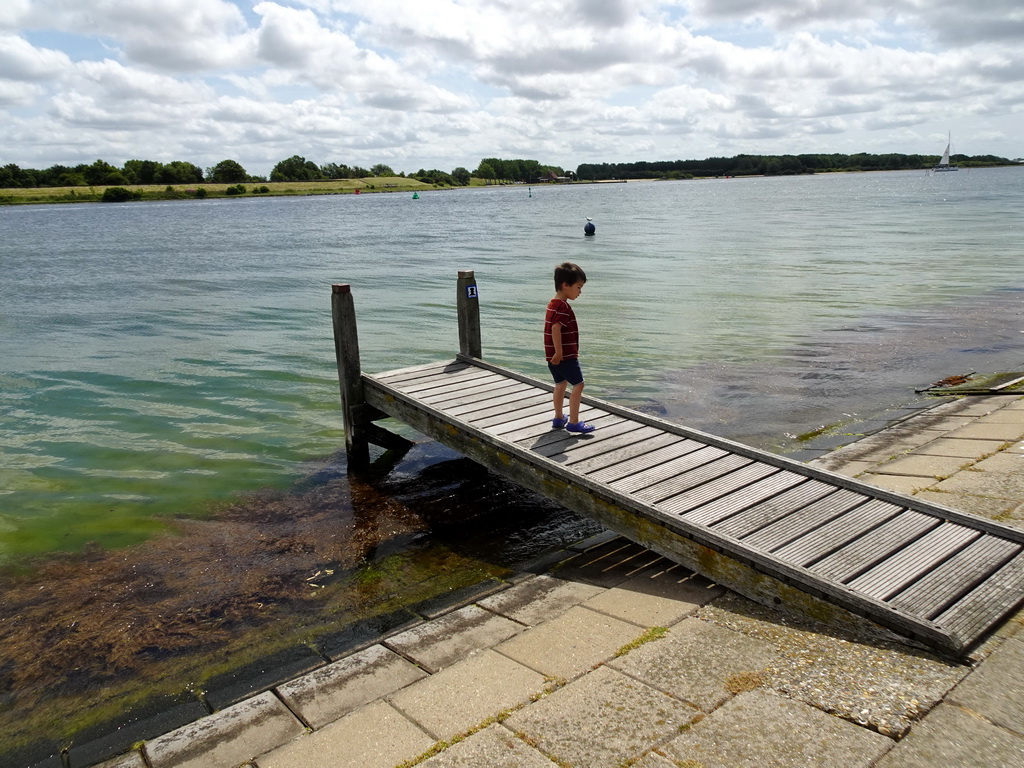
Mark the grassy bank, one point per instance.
(19, 196)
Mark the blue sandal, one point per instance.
(580, 426)
(559, 422)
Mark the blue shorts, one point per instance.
(567, 370)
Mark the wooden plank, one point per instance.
(535, 406)
(599, 450)
(606, 461)
(727, 485)
(836, 533)
(896, 573)
(689, 460)
(439, 390)
(989, 602)
(874, 546)
(942, 586)
(552, 442)
(508, 392)
(394, 378)
(645, 460)
(621, 435)
(687, 480)
(732, 503)
(798, 524)
(767, 512)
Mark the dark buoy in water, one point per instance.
(589, 228)
(415, 195)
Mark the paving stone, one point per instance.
(1001, 432)
(462, 696)
(654, 760)
(375, 736)
(261, 675)
(861, 672)
(330, 692)
(539, 599)
(1006, 416)
(957, 447)
(450, 638)
(570, 644)
(493, 747)
(996, 689)
(997, 509)
(848, 469)
(129, 760)
(657, 599)
(996, 484)
(611, 563)
(763, 730)
(898, 483)
(443, 603)
(700, 663)
(602, 719)
(227, 738)
(919, 465)
(1010, 460)
(363, 633)
(952, 738)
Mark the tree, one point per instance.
(461, 176)
(485, 172)
(227, 172)
(296, 168)
(382, 170)
(142, 171)
(103, 173)
(336, 171)
(180, 172)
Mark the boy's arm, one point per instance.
(556, 339)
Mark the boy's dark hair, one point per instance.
(570, 273)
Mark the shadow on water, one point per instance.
(106, 642)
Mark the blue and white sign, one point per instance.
(471, 292)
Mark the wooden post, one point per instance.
(468, 303)
(350, 376)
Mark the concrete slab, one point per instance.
(996, 509)
(655, 760)
(463, 696)
(762, 730)
(952, 738)
(128, 760)
(659, 599)
(570, 644)
(323, 696)
(898, 483)
(1001, 432)
(880, 447)
(538, 599)
(602, 719)
(867, 675)
(961, 447)
(493, 747)
(1005, 416)
(918, 465)
(375, 736)
(227, 738)
(700, 663)
(850, 468)
(450, 638)
(996, 689)
(995, 484)
(1008, 461)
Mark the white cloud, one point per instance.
(445, 82)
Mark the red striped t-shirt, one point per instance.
(560, 313)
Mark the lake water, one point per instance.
(168, 368)
(157, 357)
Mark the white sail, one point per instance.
(944, 162)
(945, 157)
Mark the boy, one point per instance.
(562, 347)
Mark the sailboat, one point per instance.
(944, 162)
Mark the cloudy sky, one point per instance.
(442, 83)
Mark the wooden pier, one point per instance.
(773, 529)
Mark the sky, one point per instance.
(444, 83)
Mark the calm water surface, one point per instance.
(157, 357)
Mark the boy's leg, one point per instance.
(574, 402)
(559, 398)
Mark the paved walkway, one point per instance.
(617, 657)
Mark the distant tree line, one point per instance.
(774, 165)
(495, 169)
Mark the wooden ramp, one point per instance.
(768, 527)
(925, 571)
